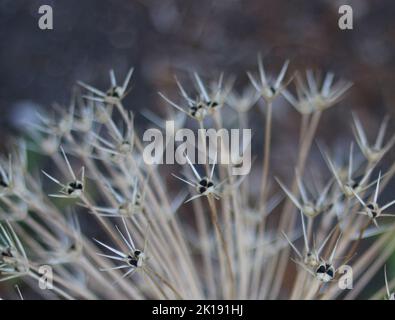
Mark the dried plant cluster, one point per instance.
(288, 240)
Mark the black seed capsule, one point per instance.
(7, 253)
(202, 189)
(113, 92)
(214, 104)
(200, 105)
(132, 261)
(75, 185)
(3, 183)
(321, 269)
(330, 271)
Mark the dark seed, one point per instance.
(7, 253)
(330, 272)
(321, 269)
(75, 185)
(132, 261)
(113, 93)
(370, 206)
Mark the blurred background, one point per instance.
(164, 38)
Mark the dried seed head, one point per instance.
(313, 97)
(267, 88)
(373, 210)
(375, 152)
(205, 186)
(125, 147)
(325, 272)
(112, 96)
(136, 258)
(311, 259)
(114, 92)
(75, 188)
(13, 260)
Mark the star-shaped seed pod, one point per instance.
(314, 96)
(114, 94)
(74, 188)
(372, 209)
(376, 151)
(269, 88)
(205, 186)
